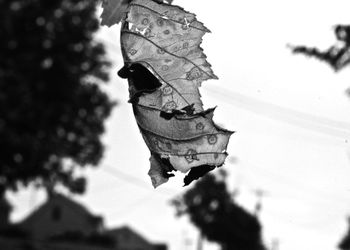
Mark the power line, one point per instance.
(294, 184)
(330, 127)
(294, 117)
(334, 128)
(116, 173)
(323, 125)
(135, 181)
(138, 203)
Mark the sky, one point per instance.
(292, 123)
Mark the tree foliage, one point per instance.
(212, 209)
(345, 242)
(52, 108)
(338, 55)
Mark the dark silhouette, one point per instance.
(336, 56)
(51, 107)
(5, 209)
(211, 208)
(61, 223)
(345, 242)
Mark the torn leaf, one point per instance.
(166, 40)
(186, 141)
(160, 170)
(196, 173)
(165, 67)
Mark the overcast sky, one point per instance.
(291, 115)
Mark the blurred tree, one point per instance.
(345, 242)
(338, 55)
(211, 208)
(51, 107)
(5, 209)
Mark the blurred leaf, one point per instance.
(113, 11)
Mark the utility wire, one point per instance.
(116, 173)
(136, 204)
(334, 128)
(323, 125)
(295, 185)
(135, 181)
(276, 112)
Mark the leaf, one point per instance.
(187, 141)
(160, 170)
(165, 67)
(143, 80)
(113, 11)
(165, 39)
(196, 173)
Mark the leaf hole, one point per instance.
(140, 77)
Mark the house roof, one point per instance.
(126, 230)
(121, 232)
(61, 199)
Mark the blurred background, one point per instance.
(73, 165)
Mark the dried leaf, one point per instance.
(165, 66)
(165, 39)
(160, 170)
(196, 173)
(187, 141)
